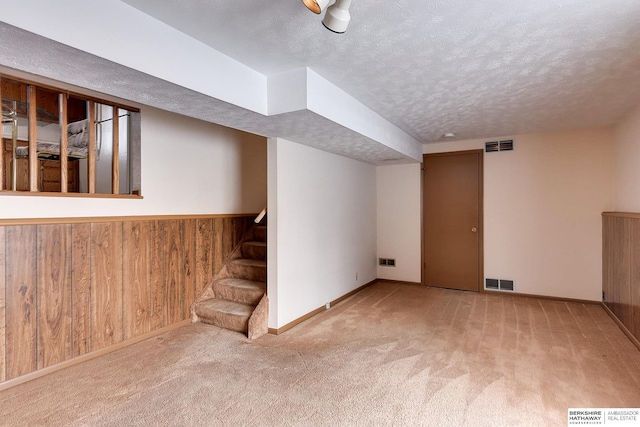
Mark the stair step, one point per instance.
(239, 290)
(260, 233)
(254, 250)
(225, 314)
(248, 269)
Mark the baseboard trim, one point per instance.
(318, 310)
(547, 297)
(77, 360)
(400, 282)
(621, 325)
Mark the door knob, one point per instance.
(474, 229)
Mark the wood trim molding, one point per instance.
(634, 215)
(76, 360)
(91, 155)
(33, 139)
(547, 297)
(621, 325)
(453, 153)
(56, 194)
(64, 143)
(62, 88)
(318, 310)
(82, 220)
(115, 151)
(400, 282)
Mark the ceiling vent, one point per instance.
(495, 146)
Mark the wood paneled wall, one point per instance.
(71, 288)
(621, 267)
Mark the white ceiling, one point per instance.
(480, 69)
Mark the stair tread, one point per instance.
(250, 262)
(254, 243)
(228, 307)
(242, 284)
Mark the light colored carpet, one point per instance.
(391, 355)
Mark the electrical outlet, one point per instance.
(327, 305)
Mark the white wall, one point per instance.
(188, 167)
(627, 162)
(542, 210)
(324, 230)
(398, 207)
(151, 46)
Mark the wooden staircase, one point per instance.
(236, 298)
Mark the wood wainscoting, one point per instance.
(621, 268)
(73, 286)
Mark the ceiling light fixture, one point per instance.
(316, 6)
(449, 135)
(336, 18)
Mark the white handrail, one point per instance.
(260, 215)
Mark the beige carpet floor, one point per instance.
(391, 355)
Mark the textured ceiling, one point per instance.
(34, 54)
(479, 69)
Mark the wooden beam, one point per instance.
(115, 164)
(33, 140)
(64, 144)
(2, 171)
(84, 220)
(3, 305)
(92, 147)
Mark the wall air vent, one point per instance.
(490, 147)
(491, 284)
(499, 285)
(389, 262)
(506, 285)
(495, 146)
(506, 145)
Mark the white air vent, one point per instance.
(499, 285)
(388, 262)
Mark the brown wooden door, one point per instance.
(452, 220)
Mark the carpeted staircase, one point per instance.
(236, 298)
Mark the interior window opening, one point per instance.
(39, 125)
